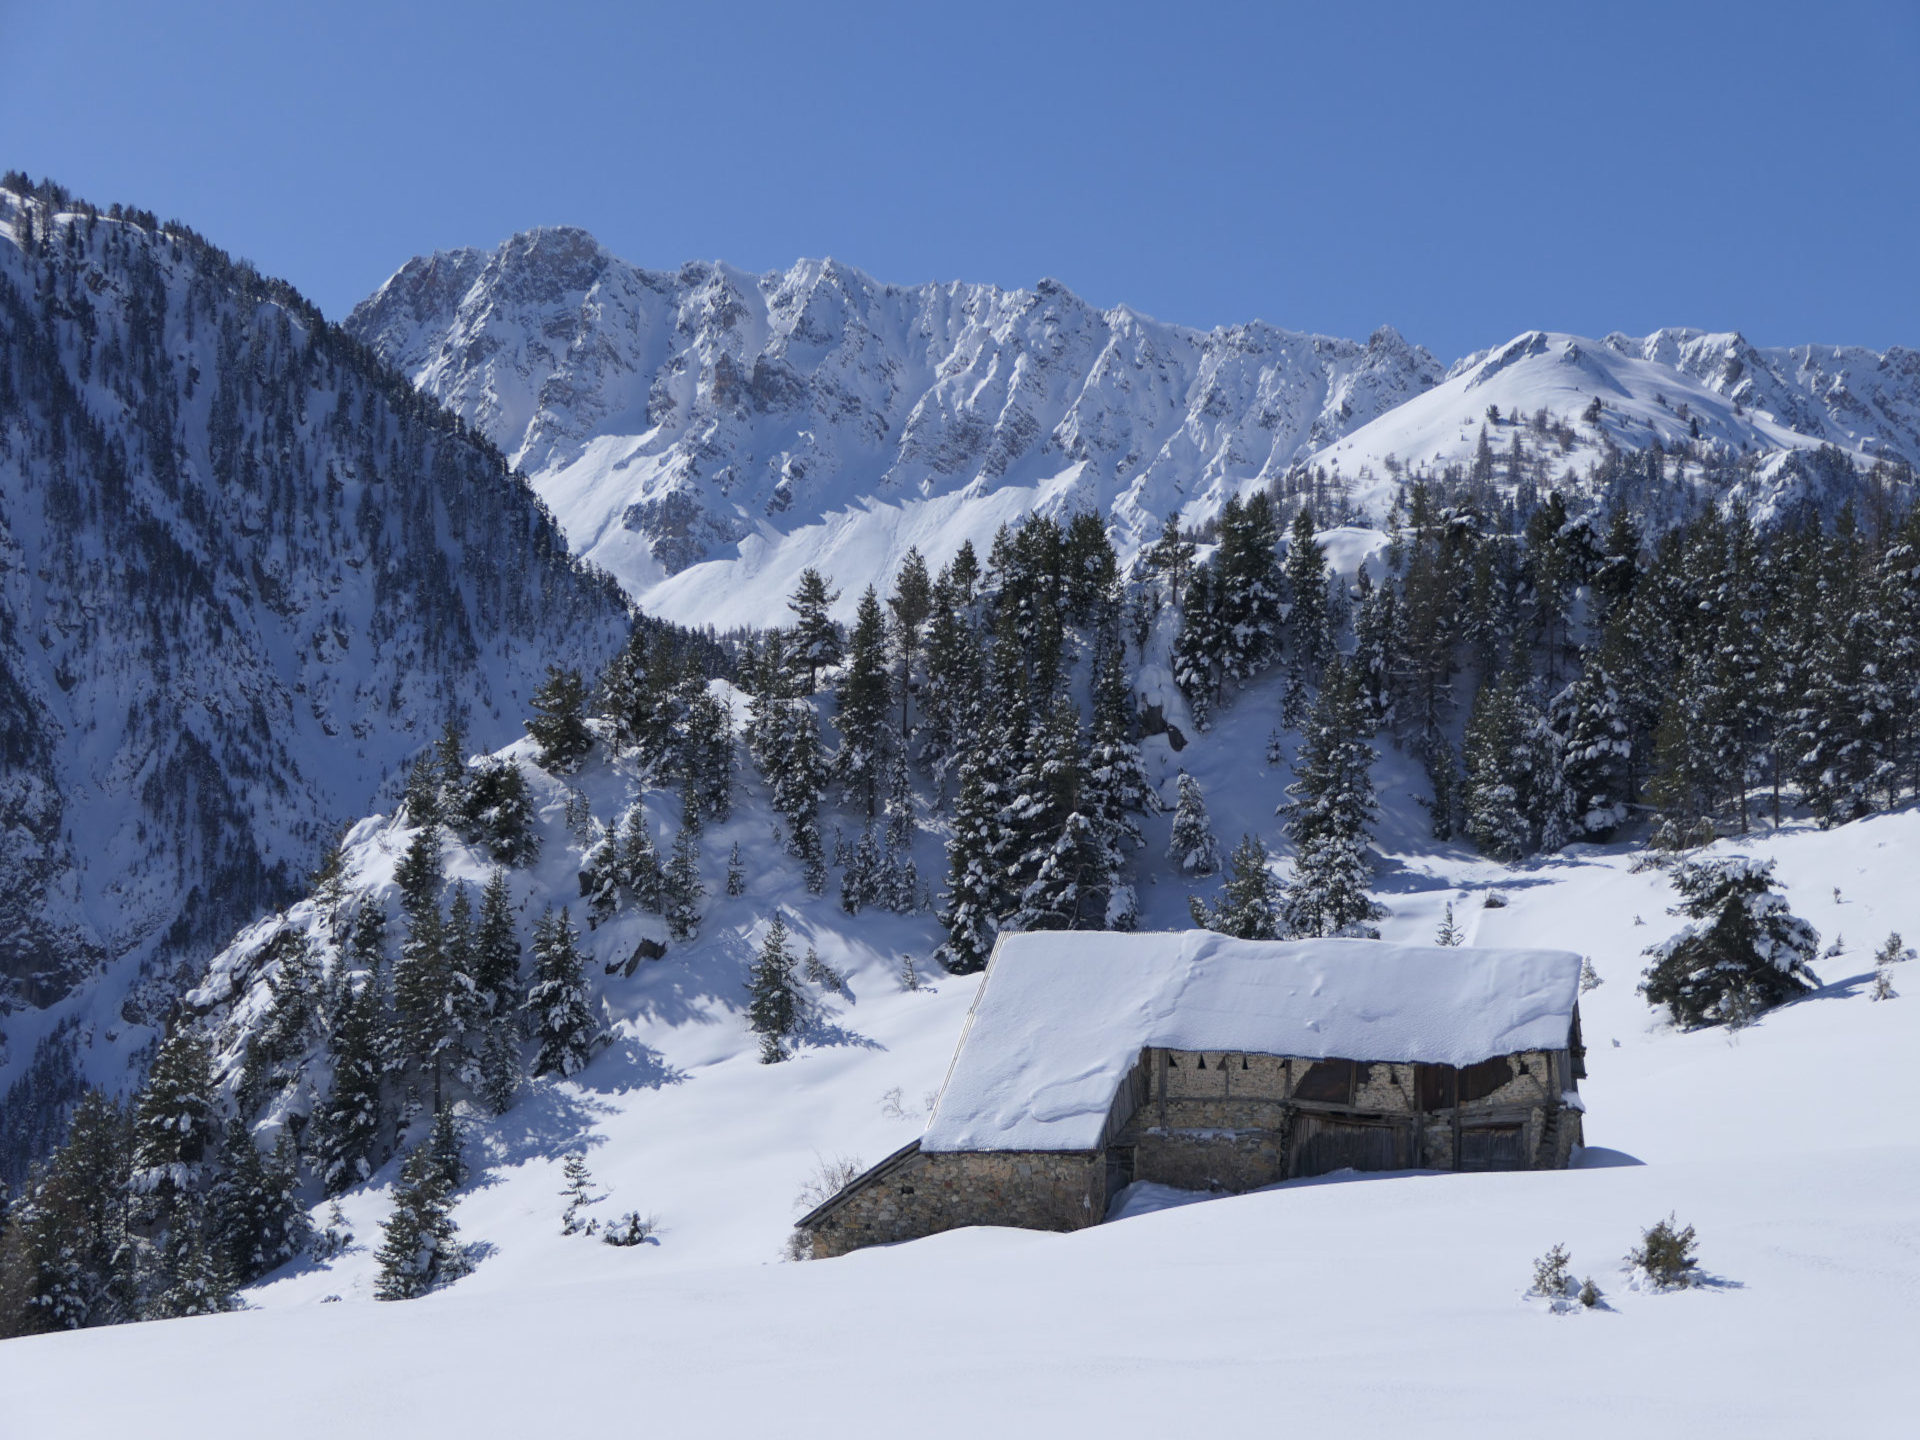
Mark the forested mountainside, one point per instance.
(245, 572)
(670, 416)
(1000, 746)
(708, 434)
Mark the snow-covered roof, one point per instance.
(1061, 1018)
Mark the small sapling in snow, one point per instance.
(1551, 1278)
(1664, 1257)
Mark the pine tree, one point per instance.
(563, 1024)
(681, 887)
(773, 1003)
(1449, 934)
(260, 1223)
(174, 1129)
(349, 1125)
(1249, 597)
(974, 880)
(1745, 952)
(816, 639)
(559, 723)
(865, 700)
(861, 880)
(1333, 805)
(736, 876)
(1309, 642)
(1193, 850)
(66, 1253)
(496, 969)
(911, 603)
(1249, 907)
(1490, 795)
(955, 675)
(1198, 647)
(1171, 555)
(499, 813)
(578, 1193)
(420, 1248)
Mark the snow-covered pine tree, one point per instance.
(865, 700)
(559, 723)
(910, 605)
(1375, 632)
(1250, 589)
(736, 873)
(258, 1221)
(899, 882)
(681, 886)
(350, 1124)
(420, 1248)
(974, 880)
(1193, 849)
(1449, 934)
(174, 1125)
(66, 1253)
(1330, 814)
(1309, 640)
(1171, 556)
(578, 1193)
(860, 882)
(816, 639)
(1115, 790)
(499, 813)
(1745, 951)
(773, 995)
(1198, 647)
(955, 674)
(1249, 907)
(563, 1023)
(1490, 799)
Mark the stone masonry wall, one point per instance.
(930, 1193)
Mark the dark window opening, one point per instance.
(1479, 1081)
(1328, 1081)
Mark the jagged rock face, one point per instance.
(1846, 395)
(245, 573)
(669, 416)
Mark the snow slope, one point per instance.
(815, 416)
(1386, 1304)
(1708, 397)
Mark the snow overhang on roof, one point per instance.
(1061, 1018)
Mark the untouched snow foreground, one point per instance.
(1383, 1304)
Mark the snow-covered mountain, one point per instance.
(763, 423)
(1715, 403)
(245, 573)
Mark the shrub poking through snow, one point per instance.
(1590, 1294)
(1664, 1258)
(1745, 952)
(632, 1228)
(828, 1179)
(1884, 959)
(1551, 1278)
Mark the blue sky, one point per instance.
(1461, 171)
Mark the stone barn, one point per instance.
(1092, 1060)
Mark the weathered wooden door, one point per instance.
(1325, 1143)
(1493, 1147)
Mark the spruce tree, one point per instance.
(259, 1221)
(578, 1193)
(911, 603)
(1199, 646)
(559, 723)
(1249, 907)
(420, 1248)
(860, 882)
(773, 994)
(1193, 849)
(1745, 951)
(1329, 817)
(865, 701)
(499, 813)
(350, 1123)
(816, 639)
(1309, 641)
(1491, 802)
(736, 875)
(563, 1023)
(681, 887)
(974, 880)
(174, 1128)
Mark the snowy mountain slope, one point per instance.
(245, 573)
(1380, 1302)
(770, 422)
(1709, 400)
